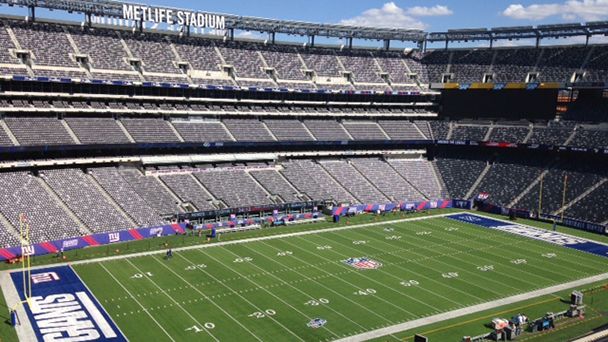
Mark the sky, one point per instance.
(428, 15)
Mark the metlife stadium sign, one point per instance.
(158, 15)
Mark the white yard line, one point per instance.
(463, 262)
(291, 286)
(268, 292)
(98, 302)
(419, 274)
(24, 331)
(472, 309)
(325, 287)
(506, 259)
(210, 300)
(243, 298)
(174, 301)
(360, 274)
(136, 301)
(234, 242)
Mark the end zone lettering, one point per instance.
(69, 317)
(62, 308)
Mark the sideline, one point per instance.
(235, 242)
(471, 309)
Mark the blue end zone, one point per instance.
(556, 238)
(62, 308)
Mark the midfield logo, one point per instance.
(363, 263)
(316, 323)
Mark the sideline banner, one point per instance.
(101, 239)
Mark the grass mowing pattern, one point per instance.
(268, 290)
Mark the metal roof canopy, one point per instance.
(113, 9)
(108, 8)
(519, 32)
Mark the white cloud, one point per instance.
(250, 35)
(392, 16)
(587, 10)
(421, 11)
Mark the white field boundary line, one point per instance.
(471, 309)
(543, 229)
(25, 331)
(236, 242)
(98, 302)
(483, 306)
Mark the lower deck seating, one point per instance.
(459, 175)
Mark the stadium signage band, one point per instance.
(170, 16)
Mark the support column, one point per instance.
(387, 44)
(311, 40)
(32, 13)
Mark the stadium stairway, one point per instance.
(336, 181)
(9, 133)
(420, 192)
(478, 181)
(125, 131)
(110, 200)
(66, 209)
(214, 201)
(530, 133)
(354, 166)
(530, 187)
(179, 136)
(439, 180)
(268, 194)
(488, 133)
(274, 137)
(8, 227)
(450, 131)
(70, 131)
(580, 197)
(570, 138)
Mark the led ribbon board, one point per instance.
(555, 238)
(63, 309)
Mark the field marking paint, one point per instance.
(295, 288)
(267, 291)
(354, 271)
(241, 241)
(209, 299)
(239, 295)
(25, 330)
(174, 301)
(329, 274)
(483, 260)
(136, 301)
(528, 240)
(398, 265)
(98, 301)
(407, 270)
(457, 265)
(471, 309)
(463, 262)
(514, 246)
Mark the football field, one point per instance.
(327, 285)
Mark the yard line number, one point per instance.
(262, 314)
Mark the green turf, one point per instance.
(447, 265)
(177, 241)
